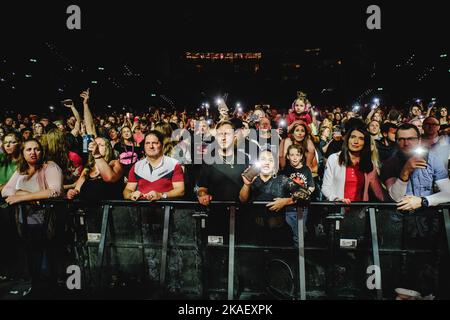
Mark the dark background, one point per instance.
(141, 47)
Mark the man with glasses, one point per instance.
(439, 144)
(411, 173)
(411, 176)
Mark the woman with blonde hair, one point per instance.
(102, 177)
(56, 149)
(167, 131)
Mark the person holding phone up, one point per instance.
(262, 183)
(410, 174)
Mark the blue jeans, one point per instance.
(291, 220)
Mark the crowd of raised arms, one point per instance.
(372, 153)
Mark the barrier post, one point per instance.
(375, 249)
(301, 253)
(231, 242)
(101, 246)
(165, 243)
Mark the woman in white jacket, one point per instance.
(350, 173)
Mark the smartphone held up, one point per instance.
(252, 171)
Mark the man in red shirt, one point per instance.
(157, 176)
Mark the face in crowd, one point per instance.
(299, 133)
(407, 141)
(45, 121)
(326, 133)
(415, 111)
(10, 144)
(144, 126)
(126, 133)
(259, 115)
(38, 129)
(26, 134)
(264, 125)
(295, 157)
(391, 134)
(8, 121)
(113, 134)
(327, 122)
(431, 126)
(153, 147)
(32, 152)
(418, 124)
(374, 127)
(356, 141)
(225, 136)
(112, 120)
(267, 161)
(201, 127)
(299, 106)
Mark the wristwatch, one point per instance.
(425, 202)
(163, 195)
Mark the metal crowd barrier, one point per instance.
(168, 206)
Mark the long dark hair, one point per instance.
(303, 143)
(365, 164)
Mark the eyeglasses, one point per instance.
(410, 139)
(431, 125)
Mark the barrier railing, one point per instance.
(335, 220)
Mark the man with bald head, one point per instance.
(439, 144)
